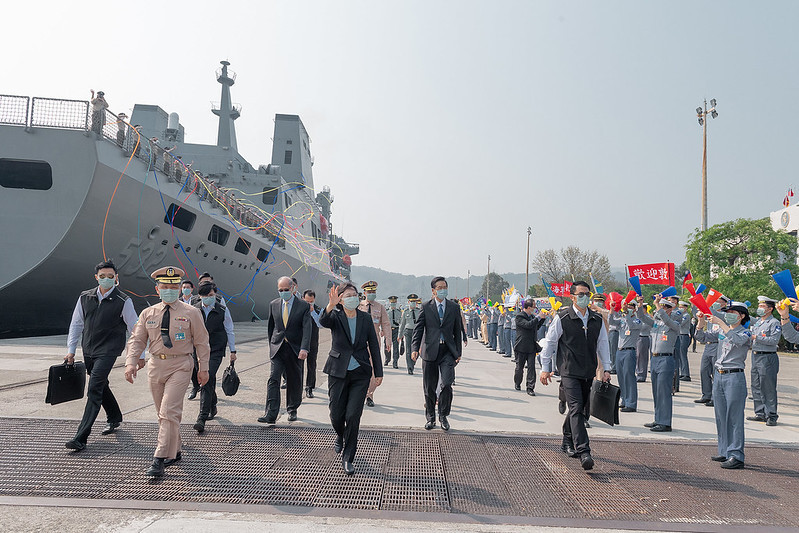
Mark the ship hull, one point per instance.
(104, 204)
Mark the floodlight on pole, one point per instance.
(702, 114)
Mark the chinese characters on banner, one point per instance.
(561, 290)
(653, 273)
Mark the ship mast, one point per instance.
(227, 113)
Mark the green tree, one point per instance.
(739, 256)
(495, 284)
(537, 291)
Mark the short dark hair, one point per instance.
(308, 292)
(294, 280)
(528, 303)
(105, 264)
(436, 280)
(573, 288)
(185, 281)
(206, 288)
(206, 275)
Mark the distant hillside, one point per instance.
(403, 284)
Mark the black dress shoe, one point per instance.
(732, 464)
(338, 444)
(561, 407)
(641, 380)
(650, 425)
(660, 428)
(349, 468)
(586, 461)
(430, 425)
(170, 462)
(212, 414)
(395, 365)
(193, 393)
(410, 372)
(370, 402)
(518, 387)
(284, 385)
(685, 378)
(199, 425)
(626, 409)
(710, 404)
(309, 393)
(75, 444)
(757, 418)
(267, 420)
(718, 458)
(771, 422)
(110, 428)
(701, 400)
(387, 363)
(586, 424)
(293, 416)
(444, 423)
(157, 468)
(530, 392)
(568, 449)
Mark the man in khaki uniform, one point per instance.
(174, 330)
(382, 328)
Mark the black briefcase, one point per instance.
(605, 402)
(402, 347)
(65, 383)
(230, 380)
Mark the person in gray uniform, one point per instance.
(685, 340)
(729, 384)
(506, 330)
(394, 316)
(492, 327)
(512, 338)
(476, 322)
(628, 327)
(644, 345)
(407, 321)
(707, 334)
(664, 332)
(766, 333)
(501, 331)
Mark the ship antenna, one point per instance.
(227, 112)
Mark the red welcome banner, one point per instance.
(561, 290)
(653, 273)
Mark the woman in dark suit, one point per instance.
(354, 351)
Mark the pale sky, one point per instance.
(445, 128)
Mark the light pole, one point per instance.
(468, 275)
(702, 114)
(488, 274)
(527, 265)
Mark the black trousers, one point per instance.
(443, 367)
(347, 396)
(285, 362)
(310, 378)
(208, 391)
(194, 382)
(98, 394)
(521, 359)
(394, 345)
(577, 392)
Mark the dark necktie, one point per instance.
(165, 329)
(441, 317)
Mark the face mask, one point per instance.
(350, 302)
(716, 306)
(600, 305)
(208, 300)
(442, 294)
(731, 318)
(106, 283)
(169, 295)
(370, 297)
(582, 300)
(186, 291)
(285, 295)
(761, 311)
(393, 305)
(412, 305)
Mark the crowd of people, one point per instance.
(188, 335)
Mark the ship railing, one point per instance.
(14, 109)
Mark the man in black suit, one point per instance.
(310, 378)
(289, 328)
(526, 345)
(440, 324)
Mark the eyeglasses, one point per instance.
(109, 276)
(582, 293)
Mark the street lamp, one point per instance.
(702, 114)
(527, 267)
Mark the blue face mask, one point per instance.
(209, 300)
(285, 295)
(169, 295)
(731, 318)
(186, 291)
(106, 283)
(442, 294)
(582, 300)
(761, 311)
(371, 296)
(350, 302)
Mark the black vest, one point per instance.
(103, 325)
(215, 324)
(577, 356)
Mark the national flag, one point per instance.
(549, 290)
(598, 289)
(688, 277)
(786, 202)
(790, 192)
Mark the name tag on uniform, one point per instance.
(664, 337)
(151, 324)
(180, 336)
(376, 320)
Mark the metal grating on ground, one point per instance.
(434, 472)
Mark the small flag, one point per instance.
(786, 202)
(598, 289)
(790, 192)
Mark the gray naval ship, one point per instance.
(78, 185)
